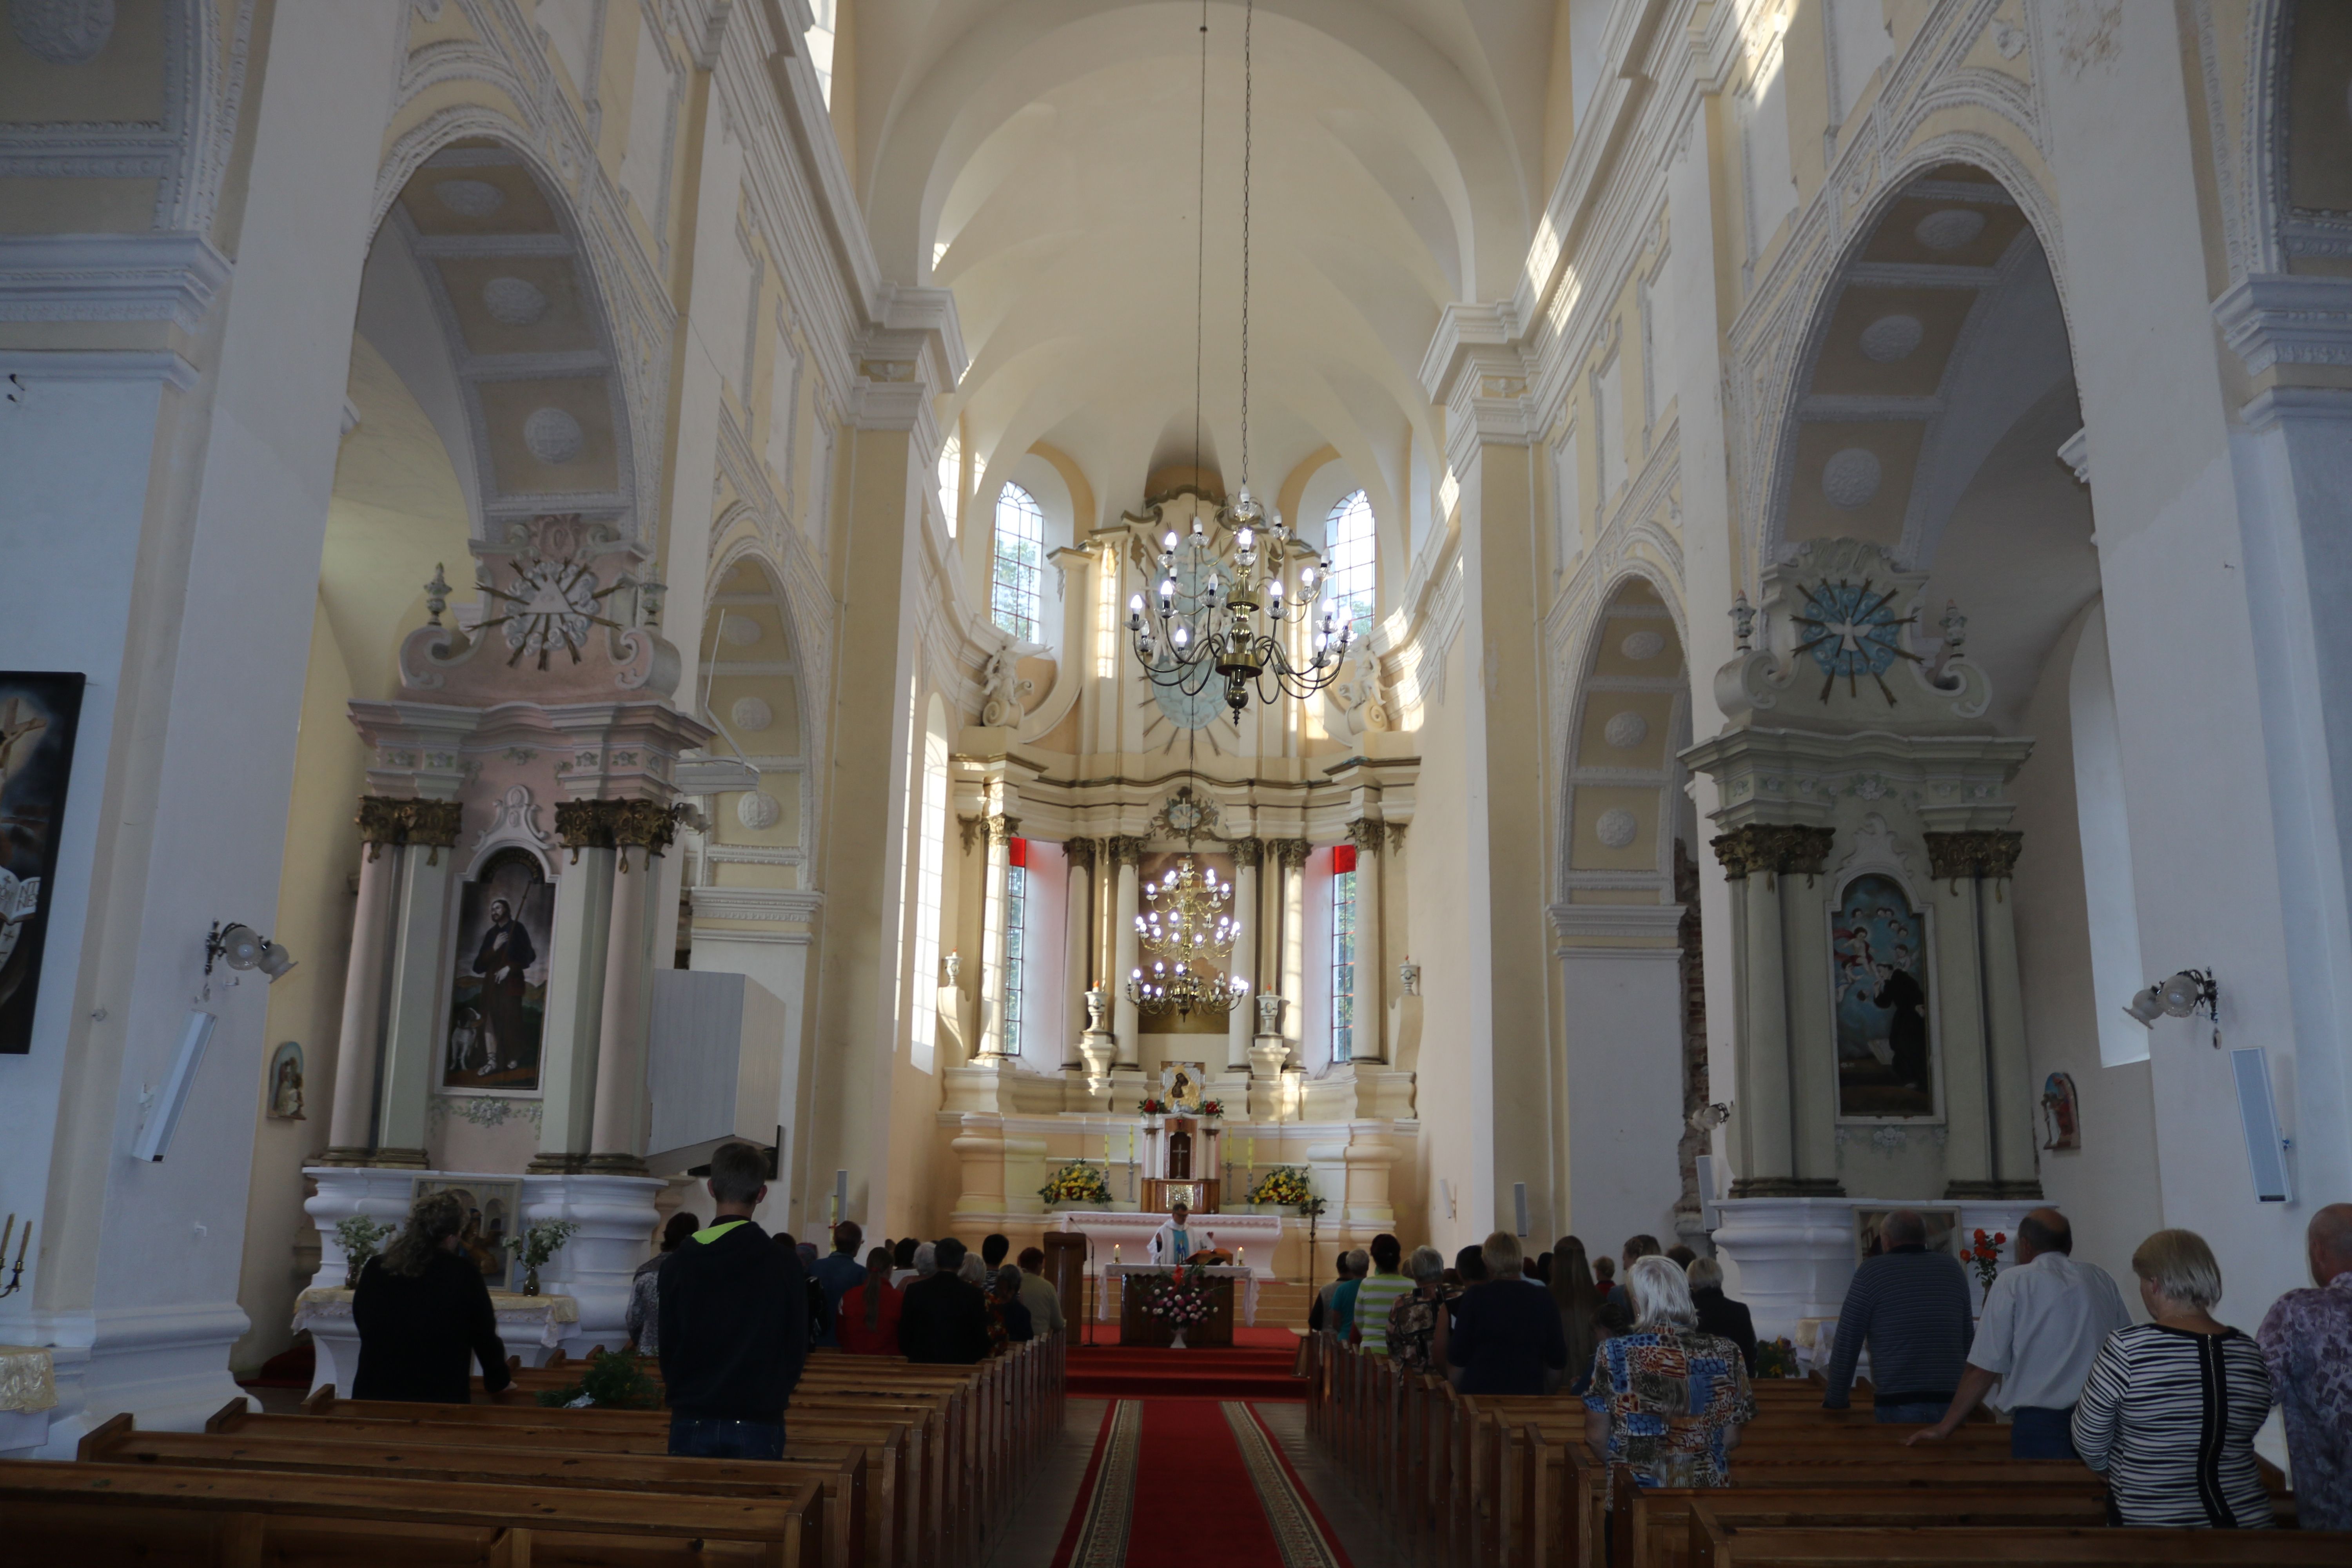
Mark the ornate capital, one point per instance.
(1125, 851)
(382, 820)
(648, 824)
(432, 823)
(1989, 853)
(1366, 834)
(1396, 837)
(1004, 829)
(583, 825)
(614, 825)
(1081, 852)
(1247, 851)
(1292, 852)
(1773, 847)
(969, 827)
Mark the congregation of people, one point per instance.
(728, 1312)
(2166, 1409)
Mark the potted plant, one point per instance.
(1077, 1185)
(537, 1244)
(1151, 1108)
(1984, 1256)
(1212, 1114)
(614, 1380)
(360, 1238)
(1280, 1187)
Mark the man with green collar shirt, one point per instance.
(733, 1325)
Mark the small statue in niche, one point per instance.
(1357, 695)
(1005, 689)
(2061, 1121)
(286, 1082)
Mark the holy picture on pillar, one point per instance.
(1184, 1089)
(497, 1005)
(490, 1211)
(1878, 948)
(38, 716)
(2061, 1122)
(285, 1081)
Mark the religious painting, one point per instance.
(284, 1082)
(1878, 944)
(1187, 1083)
(2061, 1124)
(497, 1005)
(38, 717)
(1943, 1231)
(493, 1215)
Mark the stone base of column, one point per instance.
(398, 1159)
(613, 1165)
(1992, 1192)
(1787, 1188)
(551, 1164)
(1095, 1048)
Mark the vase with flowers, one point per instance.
(1183, 1303)
(1983, 1255)
(537, 1244)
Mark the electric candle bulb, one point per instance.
(1183, 637)
(1169, 542)
(1243, 540)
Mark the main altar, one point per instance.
(1138, 1283)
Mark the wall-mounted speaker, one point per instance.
(164, 1116)
(2265, 1149)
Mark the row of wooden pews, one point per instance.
(1479, 1482)
(888, 1465)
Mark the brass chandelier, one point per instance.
(1243, 623)
(1188, 924)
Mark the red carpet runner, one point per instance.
(1175, 1483)
(1137, 1372)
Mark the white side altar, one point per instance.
(1126, 1239)
(530, 1325)
(1245, 1282)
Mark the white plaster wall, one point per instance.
(1623, 1013)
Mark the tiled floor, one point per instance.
(1029, 1540)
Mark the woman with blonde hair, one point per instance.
(424, 1314)
(1667, 1402)
(2171, 1406)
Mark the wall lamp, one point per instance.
(242, 947)
(2181, 996)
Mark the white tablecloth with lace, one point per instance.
(533, 1324)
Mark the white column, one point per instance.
(1371, 1016)
(575, 1000)
(1623, 1007)
(1294, 853)
(1127, 1020)
(1000, 830)
(1077, 970)
(359, 1051)
(1767, 1157)
(1242, 1020)
(415, 1024)
(617, 1135)
(2014, 1099)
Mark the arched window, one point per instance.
(1017, 571)
(930, 860)
(1348, 550)
(952, 479)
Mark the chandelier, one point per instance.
(1181, 989)
(1242, 624)
(1188, 924)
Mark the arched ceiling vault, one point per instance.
(1039, 157)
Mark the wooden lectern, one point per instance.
(1065, 1271)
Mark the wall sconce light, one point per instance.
(2179, 997)
(1707, 1118)
(242, 947)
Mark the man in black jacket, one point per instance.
(734, 1329)
(944, 1320)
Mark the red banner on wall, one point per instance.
(1343, 859)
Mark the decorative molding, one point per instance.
(971, 828)
(2271, 319)
(1365, 833)
(2075, 453)
(110, 277)
(797, 905)
(1987, 854)
(1002, 829)
(1292, 852)
(1773, 847)
(1079, 853)
(1124, 851)
(614, 825)
(1575, 924)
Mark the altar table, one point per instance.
(1253, 1238)
(530, 1326)
(1136, 1327)
(1242, 1281)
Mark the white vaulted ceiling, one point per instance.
(1040, 158)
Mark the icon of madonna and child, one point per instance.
(1879, 945)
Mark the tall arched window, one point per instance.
(1347, 552)
(930, 860)
(1017, 571)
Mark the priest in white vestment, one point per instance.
(1176, 1240)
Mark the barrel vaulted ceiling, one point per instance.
(1040, 158)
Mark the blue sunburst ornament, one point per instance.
(1851, 630)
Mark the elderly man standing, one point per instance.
(1911, 1306)
(2306, 1343)
(2043, 1324)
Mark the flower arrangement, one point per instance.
(1284, 1185)
(537, 1244)
(1076, 1183)
(1984, 1256)
(1213, 1108)
(1183, 1301)
(1776, 1358)
(360, 1238)
(1151, 1105)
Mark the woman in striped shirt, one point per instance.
(2172, 1407)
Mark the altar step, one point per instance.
(1243, 1371)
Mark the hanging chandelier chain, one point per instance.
(1249, 96)
(1201, 242)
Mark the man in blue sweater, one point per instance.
(1911, 1306)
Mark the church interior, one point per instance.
(1405, 618)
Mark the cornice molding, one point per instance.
(109, 278)
(2273, 319)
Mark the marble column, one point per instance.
(1244, 967)
(1078, 971)
(1127, 1020)
(575, 988)
(1987, 1078)
(1293, 853)
(641, 831)
(1002, 831)
(1366, 835)
(418, 1011)
(359, 1051)
(1759, 859)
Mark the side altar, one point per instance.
(1138, 1283)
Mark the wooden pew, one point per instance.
(1657, 1522)
(842, 1524)
(1723, 1545)
(93, 1513)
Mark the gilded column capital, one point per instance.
(1987, 853)
(1772, 847)
(583, 825)
(382, 821)
(648, 824)
(1004, 829)
(1292, 852)
(1125, 851)
(432, 823)
(1247, 851)
(1366, 834)
(970, 828)
(1080, 852)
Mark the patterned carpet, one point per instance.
(1173, 1483)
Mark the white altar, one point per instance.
(530, 1325)
(1245, 1287)
(1126, 1239)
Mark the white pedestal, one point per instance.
(1795, 1257)
(530, 1327)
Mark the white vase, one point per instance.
(1176, 1343)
